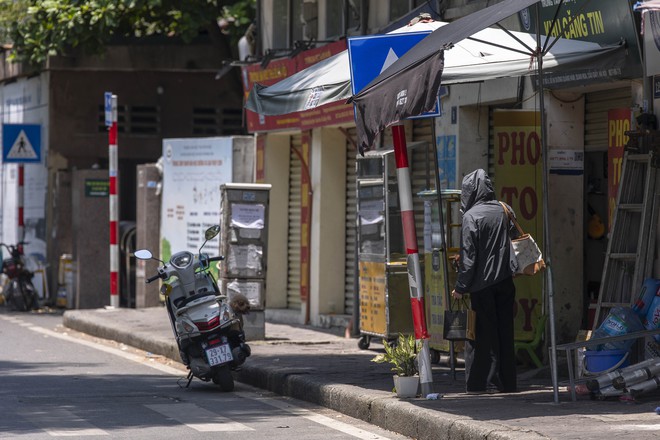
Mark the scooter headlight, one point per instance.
(181, 260)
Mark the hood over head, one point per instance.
(477, 188)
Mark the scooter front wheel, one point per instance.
(224, 378)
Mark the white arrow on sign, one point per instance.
(389, 60)
(22, 148)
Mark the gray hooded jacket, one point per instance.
(485, 254)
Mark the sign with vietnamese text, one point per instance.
(97, 187)
(519, 182)
(618, 122)
(193, 170)
(278, 69)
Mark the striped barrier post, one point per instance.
(114, 208)
(414, 269)
(21, 197)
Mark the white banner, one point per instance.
(193, 170)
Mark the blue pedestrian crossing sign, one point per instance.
(369, 56)
(21, 143)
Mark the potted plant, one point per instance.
(402, 355)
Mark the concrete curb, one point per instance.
(383, 410)
(138, 339)
(379, 408)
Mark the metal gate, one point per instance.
(294, 239)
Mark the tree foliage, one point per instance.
(10, 11)
(44, 27)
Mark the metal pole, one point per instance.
(114, 209)
(444, 251)
(546, 220)
(21, 198)
(414, 270)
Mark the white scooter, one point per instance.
(208, 328)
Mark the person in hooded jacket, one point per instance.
(485, 270)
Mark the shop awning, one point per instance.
(488, 54)
(467, 50)
(327, 81)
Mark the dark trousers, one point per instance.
(490, 359)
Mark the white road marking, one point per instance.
(284, 405)
(198, 418)
(111, 350)
(316, 418)
(651, 427)
(68, 423)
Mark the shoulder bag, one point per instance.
(528, 254)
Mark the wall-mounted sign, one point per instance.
(97, 187)
(566, 162)
(21, 143)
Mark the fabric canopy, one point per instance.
(327, 81)
(488, 54)
(419, 72)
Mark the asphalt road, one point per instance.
(58, 383)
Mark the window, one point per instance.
(214, 121)
(280, 24)
(134, 119)
(399, 8)
(335, 20)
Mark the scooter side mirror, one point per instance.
(143, 254)
(212, 232)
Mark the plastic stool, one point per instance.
(532, 345)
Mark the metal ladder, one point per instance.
(631, 246)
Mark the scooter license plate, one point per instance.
(219, 355)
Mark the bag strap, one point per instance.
(513, 219)
(457, 302)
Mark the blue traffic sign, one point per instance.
(21, 143)
(107, 98)
(371, 55)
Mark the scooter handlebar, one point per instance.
(218, 258)
(153, 278)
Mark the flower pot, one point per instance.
(406, 386)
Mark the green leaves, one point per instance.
(402, 355)
(38, 28)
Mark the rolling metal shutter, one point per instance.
(597, 105)
(351, 236)
(423, 171)
(293, 251)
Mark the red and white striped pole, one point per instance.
(21, 197)
(114, 208)
(414, 269)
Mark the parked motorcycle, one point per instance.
(19, 293)
(208, 328)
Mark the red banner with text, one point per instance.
(277, 70)
(619, 121)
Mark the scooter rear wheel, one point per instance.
(224, 378)
(15, 297)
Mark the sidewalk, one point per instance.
(330, 370)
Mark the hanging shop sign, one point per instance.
(606, 22)
(618, 122)
(519, 182)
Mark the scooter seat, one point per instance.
(188, 302)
